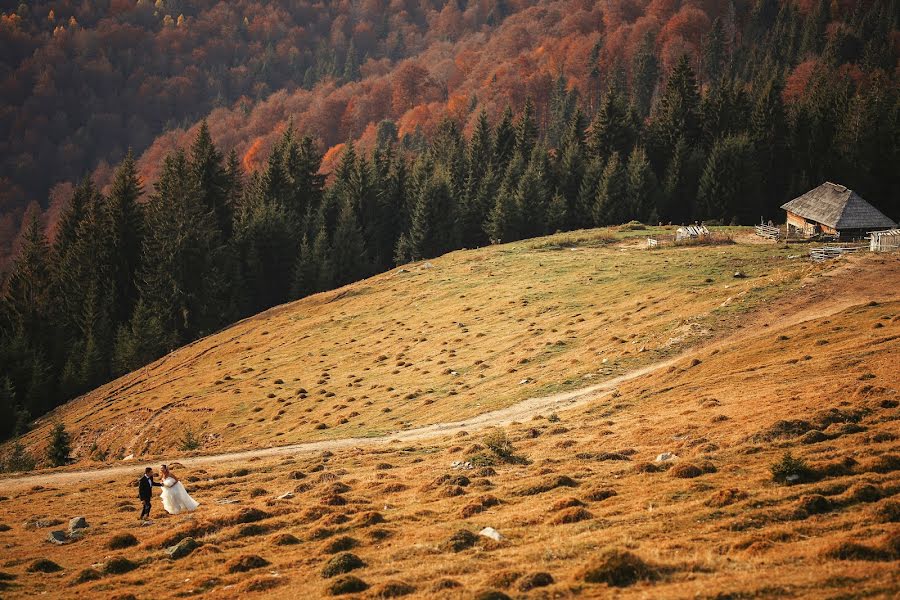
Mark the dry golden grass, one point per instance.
(429, 343)
(577, 514)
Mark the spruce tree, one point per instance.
(348, 250)
(306, 271)
(644, 75)
(126, 229)
(583, 214)
(60, 446)
(27, 301)
(714, 51)
(206, 165)
(642, 187)
(7, 407)
(526, 132)
(504, 141)
(611, 204)
(728, 185)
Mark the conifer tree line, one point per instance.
(136, 273)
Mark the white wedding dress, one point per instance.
(175, 498)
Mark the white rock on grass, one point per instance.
(78, 523)
(666, 457)
(490, 532)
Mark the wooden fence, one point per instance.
(834, 251)
(768, 231)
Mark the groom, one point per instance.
(145, 491)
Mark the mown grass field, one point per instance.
(582, 504)
(433, 342)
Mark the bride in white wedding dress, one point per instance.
(174, 497)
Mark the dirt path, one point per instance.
(817, 301)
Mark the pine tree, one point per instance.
(678, 110)
(142, 340)
(126, 225)
(27, 299)
(504, 141)
(727, 188)
(526, 132)
(714, 51)
(612, 129)
(557, 214)
(479, 178)
(587, 194)
(351, 64)
(348, 250)
(570, 173)
(182, 267)
(7, 407)
(611, 205)
(532, 196)
(306, 271)
(644, 75)
(60, 446)
(211, 179)
(642, 186)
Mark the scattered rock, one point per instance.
(58, 537)
(182, 548)
(464, 465)
(490, 532)
(666, 457)
(78, 523)
(285, 496)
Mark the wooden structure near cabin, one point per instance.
(691, 231)
(885, 241)
(835, 211)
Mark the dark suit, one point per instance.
(145, 493)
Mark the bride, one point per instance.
(174, 497)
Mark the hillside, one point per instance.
(430, 342)
(793, 358)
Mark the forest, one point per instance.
(643, 111)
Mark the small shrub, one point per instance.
(43, 565)
(60, 447)
(726, 497)
(189, 441)
(285, 539)
(685, 471)
(87, 575)
(263, 584)
(18, 460)
(599, 494)
(854, 551)
(887, 511)
(119, 566)
(246, 562)
(791, 470)
(348, 584)
(340, 544)
(571, 515)
(618, 568)
(535, 580)
(460, 540)
(497, 442)
(342, 563)
(394, 589)
(121, 541)
(553, 418)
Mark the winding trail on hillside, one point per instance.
(818, 301)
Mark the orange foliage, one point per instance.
(797, 81)
(331, 158)
(251, 158)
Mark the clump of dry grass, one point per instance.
(460, 541)
(285, 539)
(120, 541)
(547, 485)
(726, 497)
(571, 515)
(43, 565)
(618, 568)
(119, 565)
(340, 544)
(87, 575)
(394, 589)
(342, 563)
(887, 511)
(347, 584)
(246, 562)
(535, 580)
(685, 471)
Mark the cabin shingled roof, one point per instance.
(838, 207)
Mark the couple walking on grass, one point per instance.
(174, 497)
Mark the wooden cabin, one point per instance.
(836, 211)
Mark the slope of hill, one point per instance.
(580, 497)
(431, 342)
